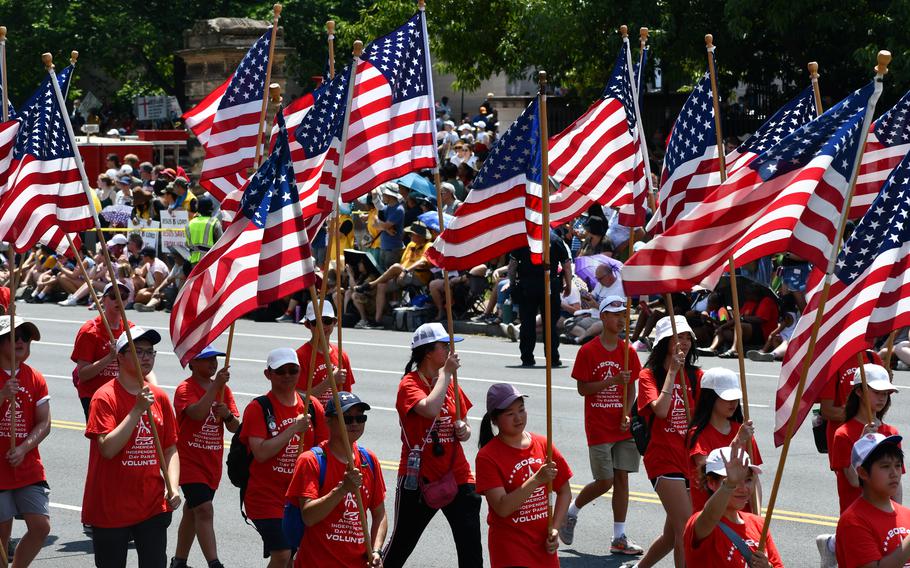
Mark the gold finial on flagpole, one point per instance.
(275, 92)
(358, 48)
(48, 60)
(884, 59)
(813, 70)
(2, 33)
(643, 34)
(276, 10)
(709, 41)
(74, 55)
(624, 31)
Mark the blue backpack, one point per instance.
(292, 520)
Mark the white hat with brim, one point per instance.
(877, 378)
(431, 333)
(865, 445)
(722, 381)
(664, 328)
(138, 333)
(328, 311)
(32, 329)
(282, 356)
(715, 462)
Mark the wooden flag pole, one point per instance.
(91, 289)
(330, 30)
(5, 84)
(884, 58)
(813, 75)
(870, 417)
(889, 350)
(626, 352)
(260, 138)
(731, 266)
(437, 180)
(668, 300)
(48, 60)
(11, 259)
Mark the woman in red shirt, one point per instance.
(512, 473)
(661, 404)
(431, 451)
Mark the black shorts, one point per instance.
(669, 476)
(196, 494)
(273, 537)
(758, 336)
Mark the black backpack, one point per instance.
(239, 456)
(641, 426)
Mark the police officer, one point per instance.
(202, 231)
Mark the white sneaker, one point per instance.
(69, 301)
(567, 531)
(828, 560)
(640, 346)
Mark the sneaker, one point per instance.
(285, 318)
(178, 563)
(828, 560)
(640, 346)
(512, 332)
(144, 308)
(87, 530)
(629, 564)
(567, 531)
(624, 545)
(755, 355)
(70, 301)
(374, 325)
(704, 352)
(901, 366)
(362, 324)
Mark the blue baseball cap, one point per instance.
(348, 401)
(209, 351)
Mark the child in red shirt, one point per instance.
(200, 444)
(873, 531)
(23, 485)
(334, 535)
(275, 449)
(715, 535)
(513, 473)
(833, 398)
(344, 377)
(716, 422)
(123, 455)
(611, 449)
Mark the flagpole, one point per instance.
(48, 60)
(813, 75)
(889, 350)
(450, 320)
(884, 58)
(330, 30)
(731, 265)
(91, 289)
(11, 257)
(862, 376)
(668, 300)
(5, 111)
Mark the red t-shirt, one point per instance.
(92, 344)
(32, 394)
(135, 471)
(320, 374)
(200, 443)
(4, 299)
(839, 453)
(520, 538)
(411, 390)
(264, 498)
(765, 309)
(838, 388)
(603, 409)
(667, 449)
(718, 551)
(710, 439)
(867, 534)
(336, 540)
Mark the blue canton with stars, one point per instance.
(893, 127)
(401, 59)
(620, 87)
(885, 226)
(272, 186)
(42, 133)
(694, 132)
(516, 153)
(325, 120)
(785, 121)
(248, 81)
(836, 133)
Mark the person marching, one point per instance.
(201, 421)
(431, 454)
(611, 449)
(322, 388)
(833, 398)
(722, 534)
(874, 531)
(24, 491)
(274, 426)
(324, 488)
(716, 422)
(512, 474)
(123, 455)
(661, 404)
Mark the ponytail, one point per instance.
(417, 355)
(486, 431)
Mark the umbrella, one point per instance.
(586, 266)
(742, 284)
(418, 183)
(353, 257)
(431, 220)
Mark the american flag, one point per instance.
(503, 209)
(263, 256)
(869, 297)
(390, 131)
(226, 122)
(785, 121)
(42, 194)
(690, 170)
(597, 159)
(789, 198)
(888, 143)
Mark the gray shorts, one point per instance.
(605, 458)
(389, 257)
(28, 500)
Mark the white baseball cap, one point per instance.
(614, 304)
(280, 357)
(877, 378)
(664, 328)
(715, 462)
(723, 382)
(864, 446)
(117, 240)
(32, 328)
(138, 333)
(327, 311)
(431, 333)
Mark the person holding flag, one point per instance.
(321, 386)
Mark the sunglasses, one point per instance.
(23, 336)
(327, 321)
(438, 449)
(361, 419)
(286, 371)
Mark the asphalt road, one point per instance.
(806, 507)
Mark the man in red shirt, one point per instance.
(23, 484)
(612, 452)
(344, 377)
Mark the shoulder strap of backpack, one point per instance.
(268, 411)
(321, 460)
(737, 541)
(365, 457)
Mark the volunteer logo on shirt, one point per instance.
(893, 540)
(676, 420)
(285, 462)
(346, 528)
(609, 397)
(210, 436)
(535, 507)
(141, 452)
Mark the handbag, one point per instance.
(436, 494)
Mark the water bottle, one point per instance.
(413, 470)
(507, 313)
